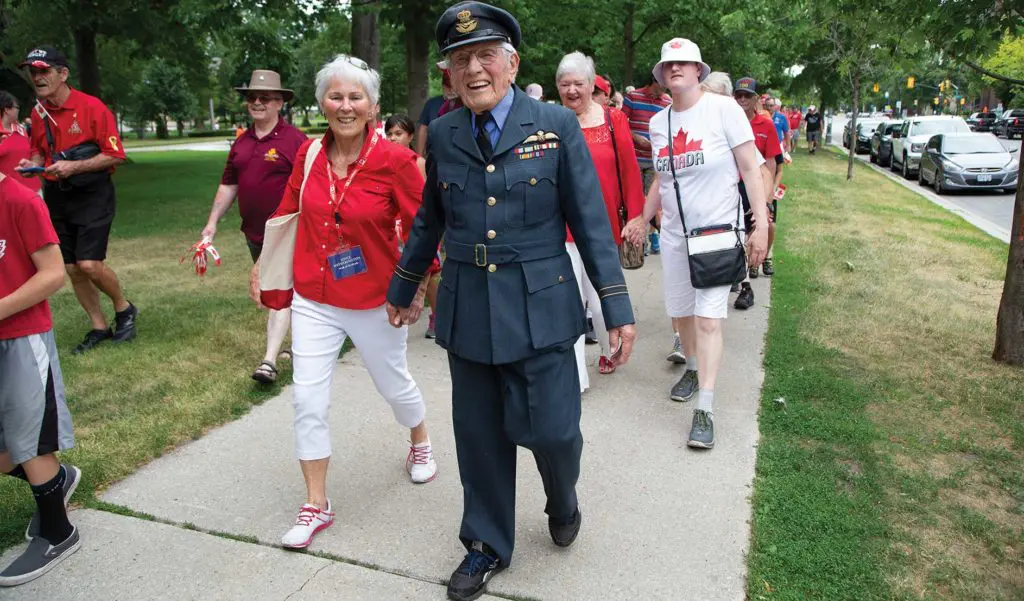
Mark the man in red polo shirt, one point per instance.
(257, 171)
(75, 138)
(34, 420)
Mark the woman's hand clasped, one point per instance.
(635, 231)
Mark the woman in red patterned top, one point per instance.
(345, 253)
(610, 142)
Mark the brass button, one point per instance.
(533, 181)
(491, 201)
(491, 234)
(490, 169)
(492, 268)
(561, 279)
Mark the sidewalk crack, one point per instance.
(308, 580)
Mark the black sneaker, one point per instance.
(92, 339)
(767, 268)
(753, 272)
(735, 287)
(686, 388)
(124, 324)
(563, 532)
(745, 300)
(469, 580)
(39, 558)
(702, 432)
(72, 476)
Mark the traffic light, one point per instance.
(910, 82)
(963, 101)
(948, 85)
(875, 88)
(942, 87)
(935, 100)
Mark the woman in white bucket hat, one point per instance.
(712, 148)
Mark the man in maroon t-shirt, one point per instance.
(257, 171)
(34, 419)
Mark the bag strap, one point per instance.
(675, 184)
(311, 154)
(623, 214)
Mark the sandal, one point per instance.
(285, 355)
(266, 373)
(605, 366)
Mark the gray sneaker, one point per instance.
(676, 356)
(702, 432)
(686, 388)
(39, 558)
(73, 477)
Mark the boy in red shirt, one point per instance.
(34, 419)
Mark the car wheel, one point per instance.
(937, 183)
(903, 168)
(892, 164)
(873, 158)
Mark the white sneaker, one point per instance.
(311, 519)
(420, 463)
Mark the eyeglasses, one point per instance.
(743, 95)
(263, 98)
(355, 62)
(485, 56)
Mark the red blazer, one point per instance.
(599, 142)
(388, 186)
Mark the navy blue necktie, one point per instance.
(482, 139)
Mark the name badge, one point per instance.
(347, 262)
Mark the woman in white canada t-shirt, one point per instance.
(712, 146)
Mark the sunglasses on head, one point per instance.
(262, 98)
(356, 62)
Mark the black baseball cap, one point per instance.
(746, 84)
(474, 22)
(44, 57)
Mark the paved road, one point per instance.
(992, 207)
(215, 145)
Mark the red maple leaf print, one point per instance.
(680, 145)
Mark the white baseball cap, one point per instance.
(679, 50)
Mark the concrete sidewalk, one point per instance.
(661, 521)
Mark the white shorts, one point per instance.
(681, 298)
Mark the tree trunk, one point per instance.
(1010, 321)
(853, 127)
(366, 33)
(86, 61)
(627, 45)
(418, 34)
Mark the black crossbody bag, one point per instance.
(631, 256)
(79, 152)
(716, 253)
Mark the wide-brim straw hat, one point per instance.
(680, 50)
(263, 80)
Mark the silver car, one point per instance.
(961, 161)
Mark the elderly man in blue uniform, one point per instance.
(505, 175)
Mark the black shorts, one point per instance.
(255, 248)
(82, 217)
(748, 215)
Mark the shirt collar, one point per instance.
(500, 112)
(252, 130)
(70, 103)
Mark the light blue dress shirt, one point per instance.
(499, 114)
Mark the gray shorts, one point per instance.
(648, 176)
(34, 419)
(814, 136)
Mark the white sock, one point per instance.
(691, 364)
(706, 400)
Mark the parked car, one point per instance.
(909, 141)
(982, 121)
(960, 161)
(865, 127)
(881, 142)
(1010, 124)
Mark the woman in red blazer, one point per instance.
(346, 250)
(606, 131)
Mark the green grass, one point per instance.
(199, 339)
(895, 468)
(173, 140)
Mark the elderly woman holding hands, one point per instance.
(606, 132)
(345, 253)
(712, 145)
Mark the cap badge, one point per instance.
(465, 22)
(37, 53)
(677, 44)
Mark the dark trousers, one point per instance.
(533, 403)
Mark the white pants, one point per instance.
(592, 301)
(318, 332)
(681, 298)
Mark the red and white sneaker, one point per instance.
(420, 463)
(311, 519)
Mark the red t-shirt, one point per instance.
(794, 120)
(599, 142)
(388, 186)
(766, 139)
(15, 146)
(82, 118)
(260, 167)
(24, 229)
